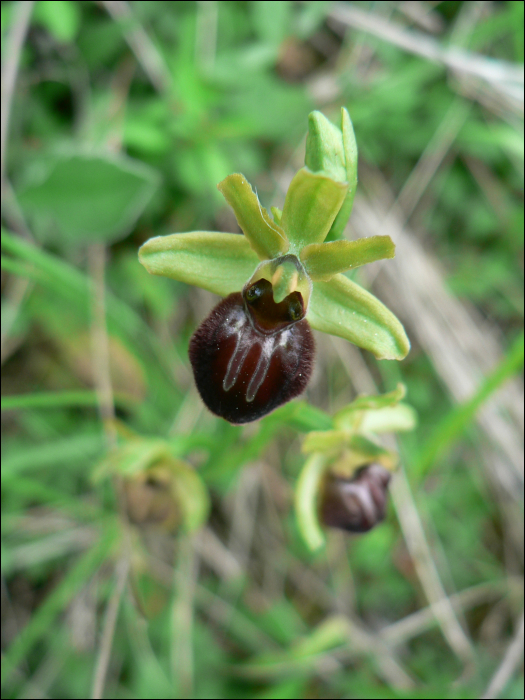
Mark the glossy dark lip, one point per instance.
(280, 326)
(228, 333)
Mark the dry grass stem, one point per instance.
(513, 657)
(108, 628)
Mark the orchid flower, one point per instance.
(255, 351)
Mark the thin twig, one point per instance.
(504, 76)
(108, 630)
(506, 669)
(426, 569)
(22, 12)
(432, 157)
(182, 619)
(140, 43)
(422, 620)
(100, 341)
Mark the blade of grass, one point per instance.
(462, 415)
(52, 399)
(57, 600)
(62, 278)
(68, 450)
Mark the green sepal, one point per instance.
(332, 151)
(392, 419)
(310, 206)
(265, 236)
(370, 401)
(325, 441)
(350, 149)
(324, 260)
(325, 148)
(377, 414)
(307, 490)
(218, 262)
(345, 309)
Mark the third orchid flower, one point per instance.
(255, 351)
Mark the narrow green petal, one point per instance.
(311, 205)
(324, 260)
(343, 308)
(265, 236)
(218, 262)
(350, 151)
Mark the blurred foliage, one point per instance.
(123, 119)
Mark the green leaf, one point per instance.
(345, 309)
(265, 236)
(59, 17)
(58, 399)
(57, 600)
(456, 420)
(324, 260)
(310, 206)
(306, 495)
(79, 199)
(218, 262)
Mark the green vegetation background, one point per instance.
(120, 119)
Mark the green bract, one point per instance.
(289, 249)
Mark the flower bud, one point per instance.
(150, 499)
(355, 504)
(252, 354)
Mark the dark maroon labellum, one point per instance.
(251, 355)
(356, 504)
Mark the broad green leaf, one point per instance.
(324, 260)
(306, 495)
(345, 309)
(220, 262)
(79, 199)
(265, 236)
(311, 205)
(60, 17)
